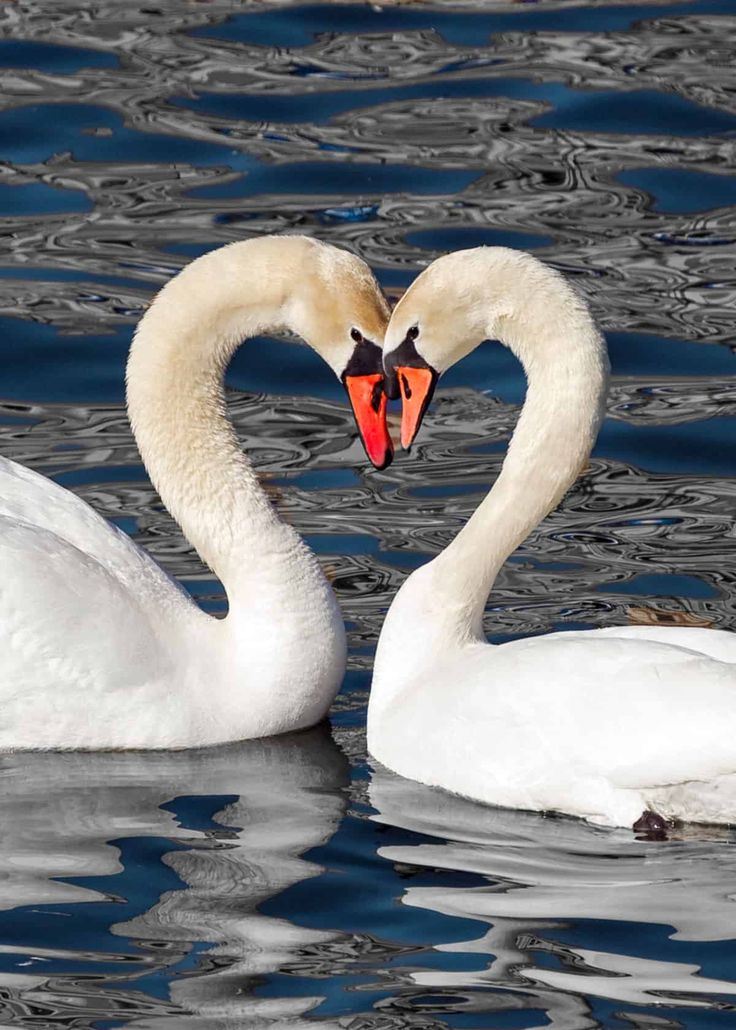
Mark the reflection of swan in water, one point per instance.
(548, 873)
(289, 803)
(280, 797)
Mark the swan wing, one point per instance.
(78, 648)
(636, 712)
(643, 711)
(33, 500)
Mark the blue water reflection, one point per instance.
(298, 27)
(673, 190)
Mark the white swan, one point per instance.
(98, 647)
(602, 724)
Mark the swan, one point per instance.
(99, 648)
(618, 726)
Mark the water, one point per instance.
(287, 883)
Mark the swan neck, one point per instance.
(176, 401)
(566, 366)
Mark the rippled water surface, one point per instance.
(286, 882)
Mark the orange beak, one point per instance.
(369, 408)
(416, 386)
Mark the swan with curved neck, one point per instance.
(603, 724)
(98, 647)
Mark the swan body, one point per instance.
(602, 724)
(99, 648)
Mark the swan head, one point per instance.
(442, 317)
(470, 296)
(341, 312)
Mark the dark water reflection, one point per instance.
(283, 883)
(574, 914)
(134, 870)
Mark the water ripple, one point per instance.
(252, 885)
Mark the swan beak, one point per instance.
(416, 386)
(369, 408)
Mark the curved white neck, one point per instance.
(549, 328)
(176, 403)
(549, 448)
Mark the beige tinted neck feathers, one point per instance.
(175, 375)
(507, 295)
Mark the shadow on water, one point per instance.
(285, 883)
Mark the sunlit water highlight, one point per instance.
(286, 883)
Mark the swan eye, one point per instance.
(356, 335)
(413, 332)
